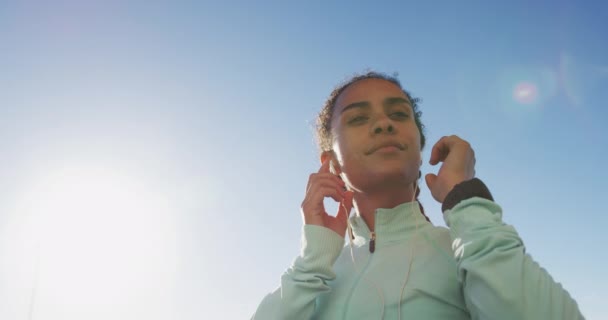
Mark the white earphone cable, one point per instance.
(411, 257)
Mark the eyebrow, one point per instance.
(391, 101)
(360, 104)
(396, 100)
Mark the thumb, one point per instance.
(430, 179)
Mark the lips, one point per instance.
(385, 144)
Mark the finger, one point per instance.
(331, 177)
(314, 177)
(442, 148)
(439, 151)
(325, 166)
(430, 180)
(313, 202)
(453, 140)
(309, 183)
(323, 178)
(326, 191)
(330, 182)
(327, 175)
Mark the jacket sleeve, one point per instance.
(306, 279)
(500, 281)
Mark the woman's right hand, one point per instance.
(321, 185)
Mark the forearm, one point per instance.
(499, 279)
(306, 279)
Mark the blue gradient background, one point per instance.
(214, 105)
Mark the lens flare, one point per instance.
(581, 80)
(525, 93)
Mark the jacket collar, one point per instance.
(391, 225)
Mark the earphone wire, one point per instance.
(411, 257)
(378, 291)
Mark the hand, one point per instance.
(321, 185)
(458, 165)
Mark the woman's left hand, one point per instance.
(458, 165)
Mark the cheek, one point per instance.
(342, 152)
(341, 145)
(415, 141)
(347, 155)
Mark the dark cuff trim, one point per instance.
(466, 190)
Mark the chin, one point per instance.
(388, 173)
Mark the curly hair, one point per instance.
(323, 127)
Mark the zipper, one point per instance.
(355, 286)
(372, 236)
(372, 242)
(372, 248)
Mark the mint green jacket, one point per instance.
(476, 269)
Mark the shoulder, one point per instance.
(440, 240)
(440, 234)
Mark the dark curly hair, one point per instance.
(324, 137)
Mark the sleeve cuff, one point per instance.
(466, 190)
(320, 246)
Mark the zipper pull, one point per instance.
(372, 242)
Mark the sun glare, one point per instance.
(106, 247)
(525, 93)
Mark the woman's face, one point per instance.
(368, 115)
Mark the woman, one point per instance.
(397, 265)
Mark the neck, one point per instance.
(366, 203)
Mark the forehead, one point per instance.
(370, 90)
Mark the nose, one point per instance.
(383, 125)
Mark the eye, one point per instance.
(357, 120)
(399, 115)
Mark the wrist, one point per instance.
(465, 190)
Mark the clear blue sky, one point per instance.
(155, 154)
